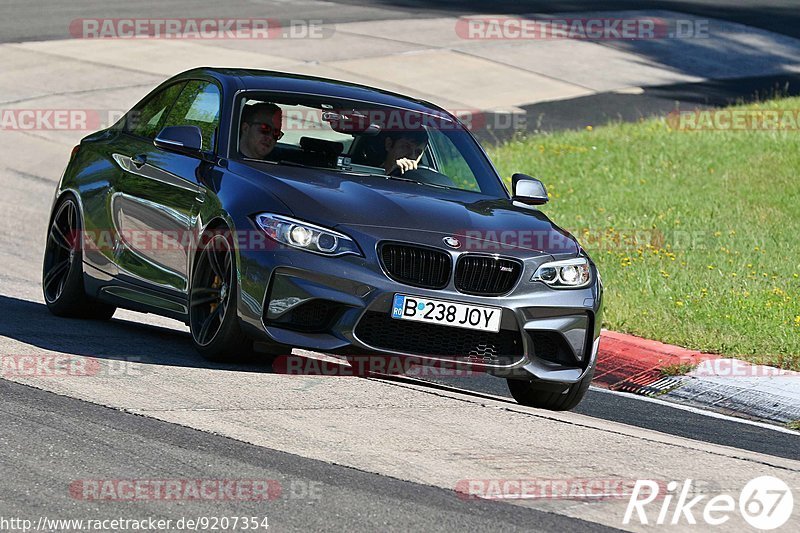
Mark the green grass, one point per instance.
(696, 234)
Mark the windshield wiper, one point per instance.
(398, 178)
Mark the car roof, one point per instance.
(268, 80)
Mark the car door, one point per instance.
(154, 206)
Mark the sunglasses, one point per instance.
(268, 129)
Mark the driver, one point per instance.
(404, 150)
(260, 129)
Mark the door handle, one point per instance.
(139, 160)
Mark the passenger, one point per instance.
(404, 150)
(260, 130)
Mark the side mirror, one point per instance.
(181, 139)
(528, 190)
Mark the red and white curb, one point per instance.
(631, 364)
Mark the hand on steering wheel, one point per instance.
(403, 164)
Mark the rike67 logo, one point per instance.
(765, 503)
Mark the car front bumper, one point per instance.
(343, 305)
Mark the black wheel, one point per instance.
(537, 394)
(213, 319)
(62, 271)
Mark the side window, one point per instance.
(451, 162)
(197, 105)
(145, 120)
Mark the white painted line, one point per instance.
(507, 399)
(698, 411)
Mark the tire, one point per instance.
(533, 394)
(62, 268)
(213, 320)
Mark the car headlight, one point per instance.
(306, 236)
(567, 274)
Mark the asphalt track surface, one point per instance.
(48, 439)
(30, 323)
(35, 20)
(22, 20)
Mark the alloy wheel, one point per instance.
(210, 297)
(60, 250)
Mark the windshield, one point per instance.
(356, 137)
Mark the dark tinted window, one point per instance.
(350, 136)
(197, 105)
(146, 120)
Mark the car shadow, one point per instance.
(33, 324)
(780, 16)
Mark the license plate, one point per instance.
(420, 309)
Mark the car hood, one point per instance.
(338, 200)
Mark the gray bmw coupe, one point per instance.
(270, 211)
